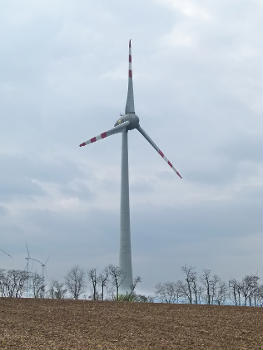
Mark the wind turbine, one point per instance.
(127, 122)
(42, 264)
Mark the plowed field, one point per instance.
(66, 324)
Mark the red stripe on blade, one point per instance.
(130, 73)
(82, 144)
(130, 58)
(104, 134)
(171, 165)
(161, 153)
(93, 139)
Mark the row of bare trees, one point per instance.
(208, 288)
(77, 283)
(194, 288)
(15, 284)
(247, 291)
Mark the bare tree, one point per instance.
(221, 293)
(249, 287)
(196, 288)
(116, 278)
(259, 295)
(245, 291)
(233, 286)
(14, 283)
(206, 280)
(102, 280)
(92, 276)
(253, 288)
(38, 285)
(200, 292)
(191, 282)
(2, 282)
(160, 292)
(167, 292)
(238, 290)
(57, 290)
(183, 291)
(75, 281)
(135, 282)
(213, 287)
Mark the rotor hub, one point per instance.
(132, 118)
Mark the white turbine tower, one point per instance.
(127, 122)
(28, 257)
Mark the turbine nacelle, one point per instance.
(132, 118)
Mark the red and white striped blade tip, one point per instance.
(94, 139)
(130, 43)
(169, 163)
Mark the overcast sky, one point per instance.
(198, 92)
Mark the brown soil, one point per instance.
(66, 324)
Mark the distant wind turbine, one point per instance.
(127, 122)
(42, 264)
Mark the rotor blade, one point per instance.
(36, 260)
(158, 150)
(130, 98)
(4, 252)
(110, 132)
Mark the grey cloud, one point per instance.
(243, 147)
(3, 211)
(78, 190)
(22, 177)
(59, 170)
(141, 186)
(17, 188)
